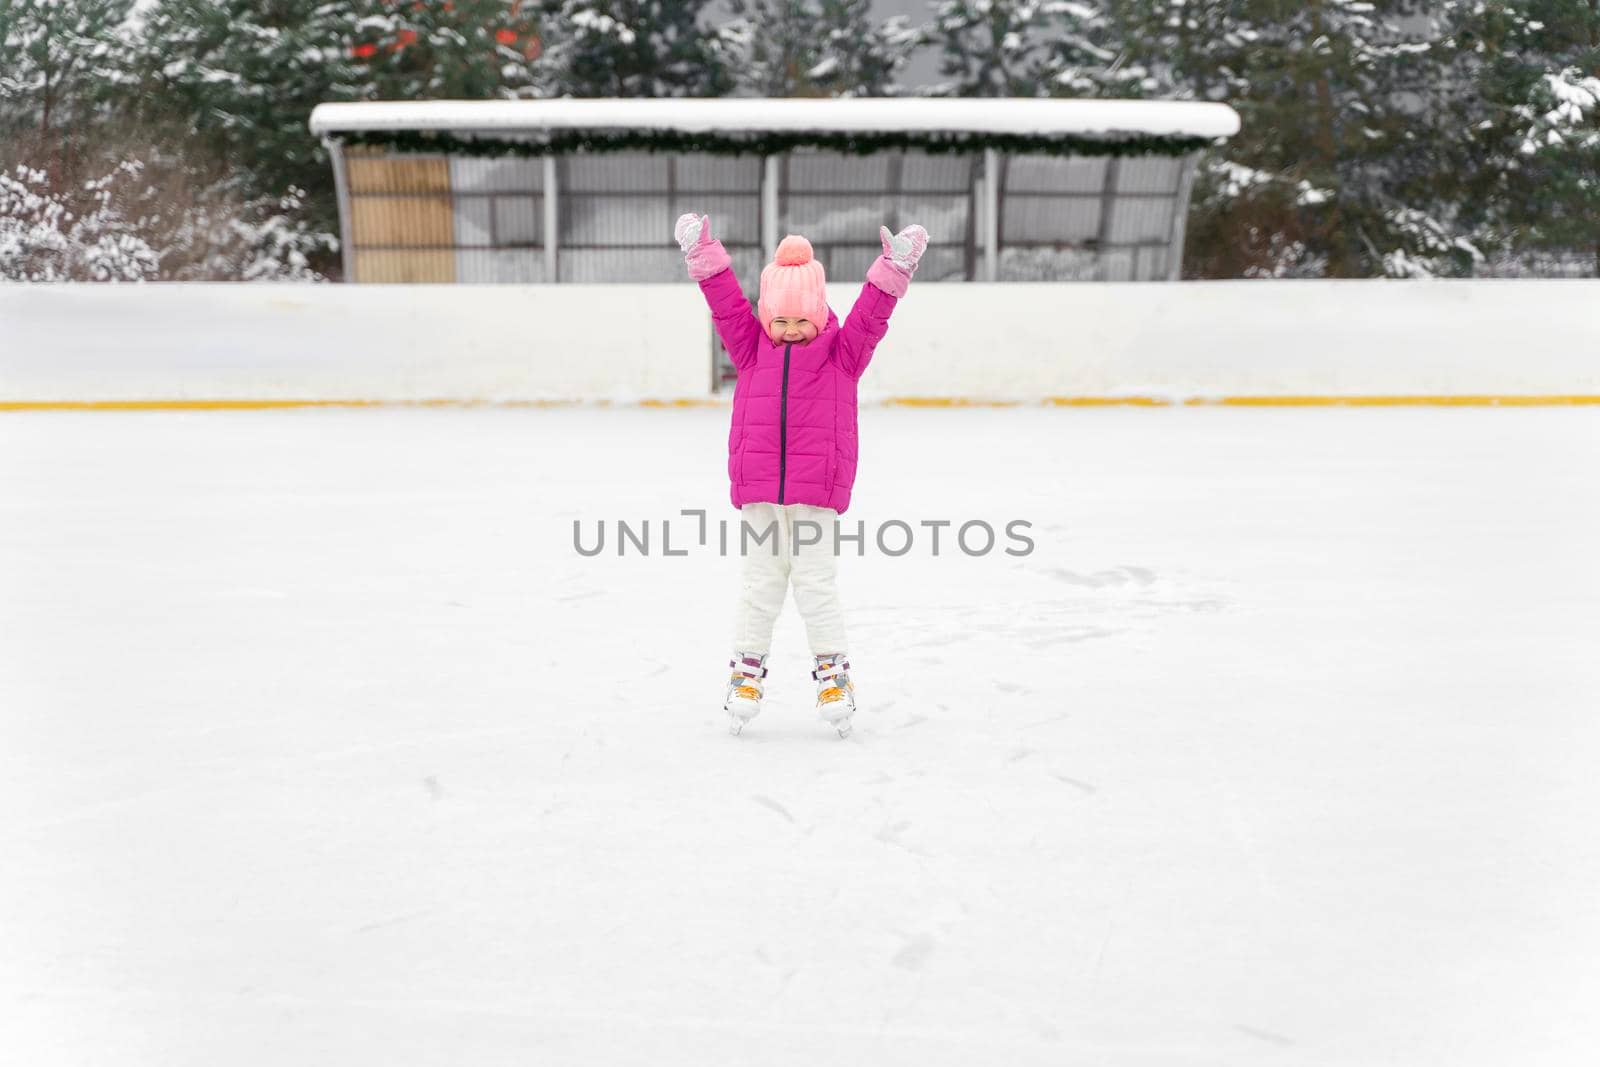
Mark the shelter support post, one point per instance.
(341, 187)
(552, 216)
(1180, 215)
(769, 206)
(991, 215)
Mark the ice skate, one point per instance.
(745, 689)
(836, 694)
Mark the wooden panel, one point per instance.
(407, 221)
(398, 175)
(406, 266)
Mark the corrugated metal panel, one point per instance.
(518, 220)
(1049, 220)
(1047, 264)
(405, 265)
(614, 221)
(622, 265)
(482, 266)
(718, 174)
(735, 220)
(836, 172)
(615, 172)
(470, 174)
(388, 174)
(928, 172)
(1141, 219)
(473, 221)
(1149, 174)
(1050, 174)
(404, 221)
(834, 219)
(943, 216)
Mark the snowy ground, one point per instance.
(319, 744)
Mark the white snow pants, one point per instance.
(811, 566)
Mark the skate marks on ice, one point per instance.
(772, 805)
(1264, 1035)
(1101, 579)
(1075, 783)
(1031, 611)
(1141, 591)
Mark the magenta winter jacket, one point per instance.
(793, 439)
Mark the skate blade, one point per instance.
(739, 713)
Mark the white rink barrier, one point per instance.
(1493, 341)
(353, 343)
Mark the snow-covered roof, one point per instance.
(1014, 116)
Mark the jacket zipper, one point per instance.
(783, 424)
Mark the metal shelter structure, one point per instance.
(586, 190)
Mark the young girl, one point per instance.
(792, 446)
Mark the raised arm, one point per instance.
(887, 281)
(711, 266)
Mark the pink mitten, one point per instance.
(703, 253)
(892, 271)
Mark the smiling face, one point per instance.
(786, 330)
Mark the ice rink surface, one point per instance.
(323, 745)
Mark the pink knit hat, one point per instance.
(792, 285)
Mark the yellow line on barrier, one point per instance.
(1398, 401)
(946, 402)
(255, 405)
(894, 401)
(1511, 400)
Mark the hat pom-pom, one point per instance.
(793, 250)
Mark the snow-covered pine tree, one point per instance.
(631, 48)
(444, 49)
(1334, 170)
(862, 56)
(1026, 48)
(1186, 49)
(779, 48)
(227, 88)
(1523, 158)
(1092, 49)
(772, 47)
(58, 59)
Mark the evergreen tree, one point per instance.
(1187, 49)
(1323, 78)
(1523, 109)
(631, 48)
(862, 57)
(1026, 48)
(444, 49)
(1334, 171)
(780, 48)
(58, 59)
(235, 81)
(772, 47)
